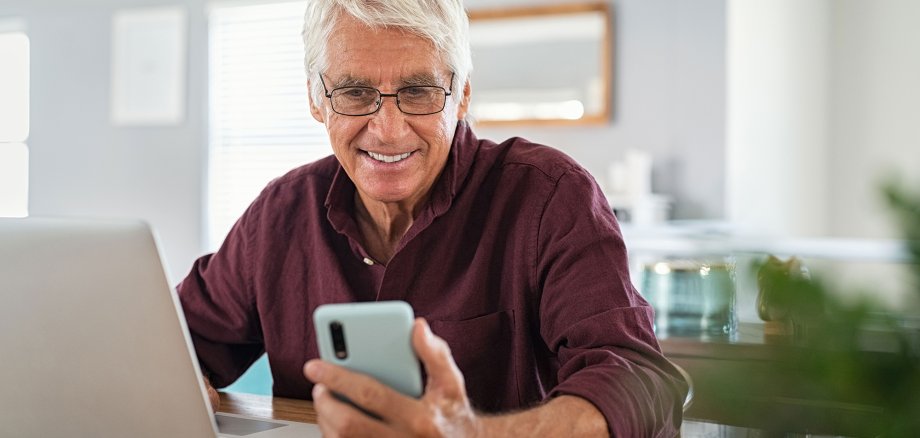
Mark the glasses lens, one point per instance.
(355, 100)
(421, 100)
(358, 101)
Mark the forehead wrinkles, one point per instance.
(350, 35)
(360, 55)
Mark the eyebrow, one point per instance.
(351, 81)
(417, 79)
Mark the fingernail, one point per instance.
(428, 333)
(318, 390)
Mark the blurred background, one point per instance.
(732, 127)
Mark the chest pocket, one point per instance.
(483, 348)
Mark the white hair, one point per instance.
(443, 22)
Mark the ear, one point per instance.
(464, 101)
(316, 111)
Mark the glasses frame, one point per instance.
(447, 93)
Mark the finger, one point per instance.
(336, 418)
(443, 374)
(362, 390)
(213, 395)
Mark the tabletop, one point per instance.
(766, 391)
(266, 407)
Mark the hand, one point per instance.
(213, 395)
(443, 410)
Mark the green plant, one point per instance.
(830, 335)
(906, 208)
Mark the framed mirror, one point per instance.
(541, 65)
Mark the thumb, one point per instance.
(443, 375)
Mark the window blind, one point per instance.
(260, 122)
(14, 119)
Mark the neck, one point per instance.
(383, 224)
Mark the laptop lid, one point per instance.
(92, 343)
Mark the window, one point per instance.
(14, 120)
(260, 122)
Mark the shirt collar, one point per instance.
(340, 198)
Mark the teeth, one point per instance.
(389, 158)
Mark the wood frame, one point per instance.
(606, 57)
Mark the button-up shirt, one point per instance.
(516, 260)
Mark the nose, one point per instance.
(388, 124)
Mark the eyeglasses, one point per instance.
(417, 100)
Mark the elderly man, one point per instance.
(508, 251)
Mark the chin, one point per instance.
(386, 188)
(388, 194)
(389, 197)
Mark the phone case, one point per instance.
(378, 341)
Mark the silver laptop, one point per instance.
(92, 342)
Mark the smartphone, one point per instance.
(372, 338)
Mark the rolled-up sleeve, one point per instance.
(219, 306)
(593, 319)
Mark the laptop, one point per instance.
(93, 344)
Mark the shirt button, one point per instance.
(368, 262)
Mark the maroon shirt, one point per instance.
(516, 261)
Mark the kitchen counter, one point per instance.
(744, 381)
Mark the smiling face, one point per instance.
(391, 157)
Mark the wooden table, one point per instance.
(747, 382)
(767, 393)
(268, 408)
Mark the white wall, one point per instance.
(822, 106)
(777, 115)
(875, 110)
(81, 165)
